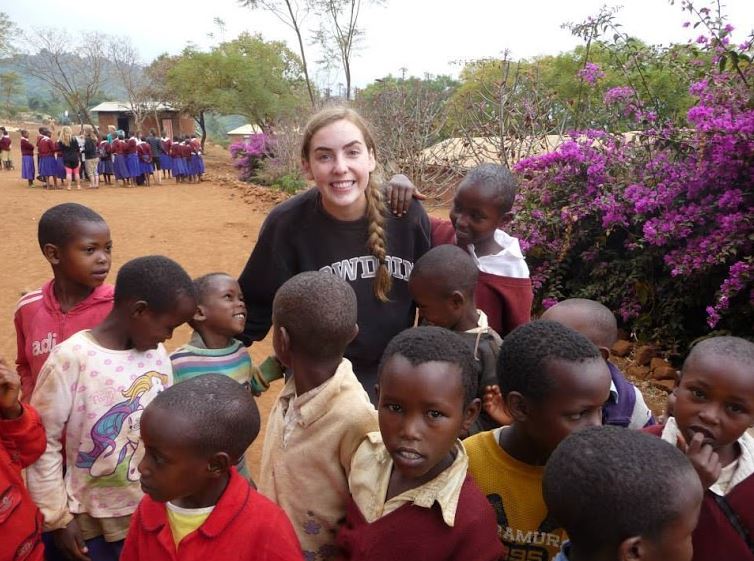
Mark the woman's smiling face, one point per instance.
(339, 162)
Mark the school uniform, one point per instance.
(132, 158)
(145, 158)
(27, 160)
(166, 162)
(179, 167)
(105, 165)
(119, 159)
(48, 167)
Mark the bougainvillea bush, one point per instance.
(657, 224)
(248, 154)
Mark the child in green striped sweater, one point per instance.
(213, 349)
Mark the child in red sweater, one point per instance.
(22, 441)
(197, 506)
(481, 208)
(714, 407)
(411, 495)
(76, 242)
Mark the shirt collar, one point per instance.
(314, 403)
(445, 489)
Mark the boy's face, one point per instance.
(715, 397)
(475, 215)
(171, 468)
(421, 414)
(149, 328)
(436, 307)
(222, 309)
(573, 403)
(85, 259)
(674, 541)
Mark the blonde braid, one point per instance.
(377, 242)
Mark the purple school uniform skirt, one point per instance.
(48, 167)
(27, 167)
(60, 167)
(119, 166)
(200, 164)
(179, 166)
(166, 162)
(105, 167)
(146, 168)
(132, 164)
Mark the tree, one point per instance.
(130, 74)
(339, 32)
(75, 71)
(292, 13)
(8, 32)
(10, 86)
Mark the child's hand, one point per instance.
(10, 386)
(398, 194)
(494, 406)
(70, 542)
(706, 462)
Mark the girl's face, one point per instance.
(340, 162)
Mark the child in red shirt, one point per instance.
(197, 506)
(22, 441)
(76, 242)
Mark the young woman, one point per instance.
(341, 226)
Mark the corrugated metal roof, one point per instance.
(120, 107)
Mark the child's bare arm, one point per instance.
(399, 190)
(494, 405)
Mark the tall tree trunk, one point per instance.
(297, 29)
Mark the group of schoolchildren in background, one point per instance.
(132, 160)
(143, 457)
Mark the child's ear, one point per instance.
(517, 406)
(51, 253)
(138, 308)
(219, 464)
(199, 314)
(470, 413)
(605, 352)
(355, 332)
(457, 299)
(505, 218)
(632, 549)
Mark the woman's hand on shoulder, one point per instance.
(399, 190)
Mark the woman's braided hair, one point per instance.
(376, 209)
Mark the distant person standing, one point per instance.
(68, 148)
(27, 158)
(155, 143)
(5, 143)
(91, 157)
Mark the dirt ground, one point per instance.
(206, 227)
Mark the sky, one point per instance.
(420, 36)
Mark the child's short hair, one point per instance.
(156, 279)
(607, 484)
(449, 266)
(223, 413)
(495, 177)
(735, 348)
(419, 345)
(603, 327)
(56, 225)
(529, 349)
(203, 283)
(318, 310)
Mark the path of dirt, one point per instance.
(206, 227)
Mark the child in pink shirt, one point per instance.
(76, 242)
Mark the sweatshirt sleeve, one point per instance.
(23, 437)
(22, 364)
(271, 263)
(53, 399)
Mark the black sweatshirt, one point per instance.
(298, 235)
